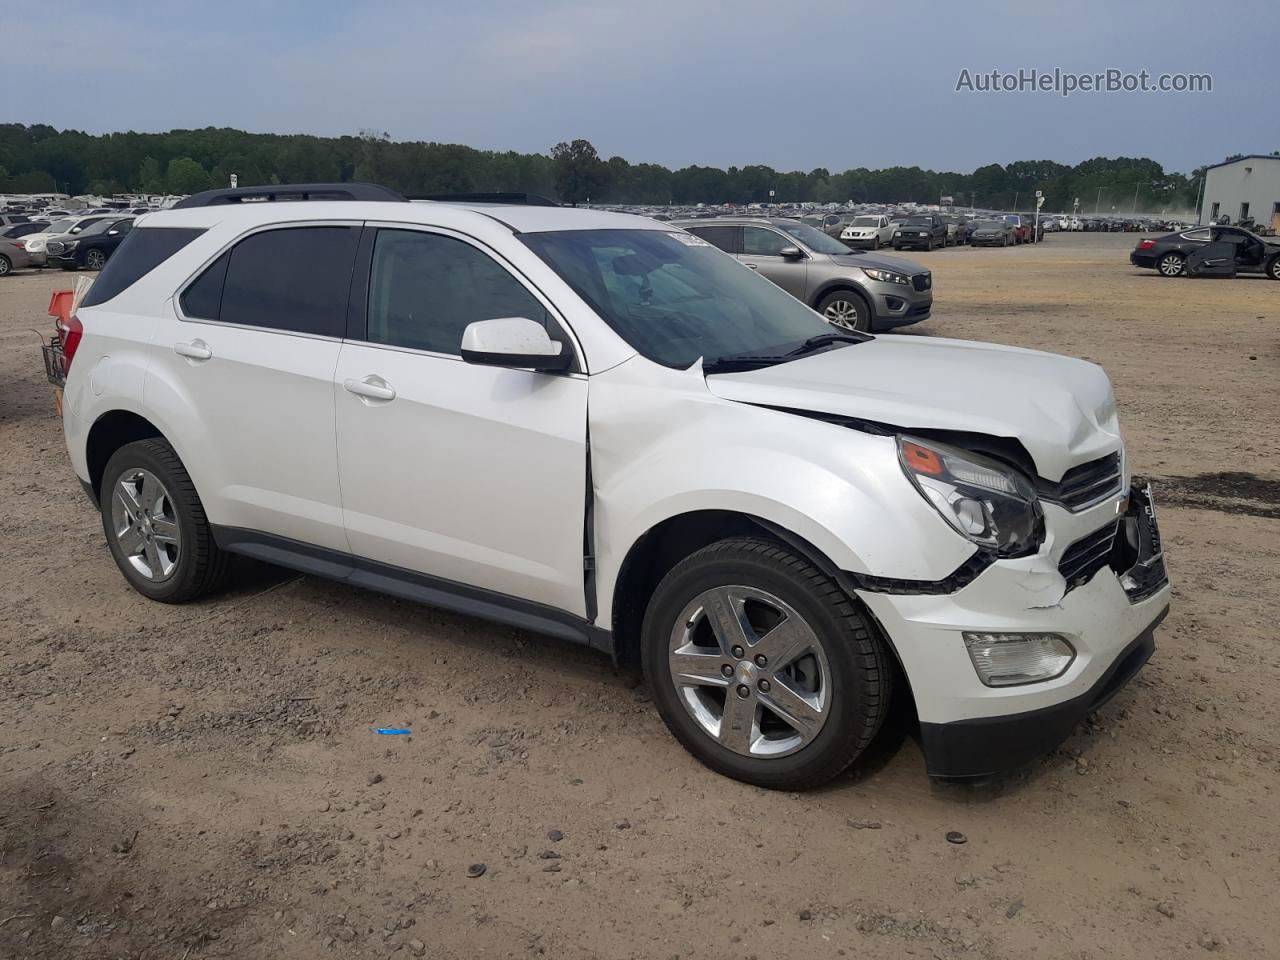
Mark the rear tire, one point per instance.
(1172, 265)
(6, 266)
(805, 716)
(156, 526)
(1273, 268)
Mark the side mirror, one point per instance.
(791, 253)
(513, 342)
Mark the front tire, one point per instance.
(845, 309)
(808, 681)
(95, 259)
(1172, 265)
(156, 526)
(1273, 268)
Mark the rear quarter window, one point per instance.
(294, 279)
(139, 253)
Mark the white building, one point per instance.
(1239, 189)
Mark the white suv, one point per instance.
(594, 426)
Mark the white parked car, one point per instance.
(594, 426)
(868, 231)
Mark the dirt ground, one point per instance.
(181, 783)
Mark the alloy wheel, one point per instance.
(1171, 265)
(4, 266)
(94, 259)
(750, 671)
(843, 313)
(145, 524)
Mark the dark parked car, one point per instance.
(1209, 251)
(993, 233)
(924, 232)
(91, 248)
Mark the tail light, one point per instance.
(1146, 244)
(69, 333)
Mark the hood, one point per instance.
(898, 264)
(1060, 409)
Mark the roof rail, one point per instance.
(525, 199)
(289, 192)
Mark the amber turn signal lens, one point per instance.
(922, 459)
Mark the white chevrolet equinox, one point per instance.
(598, 427)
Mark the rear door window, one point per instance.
(728, 239)
(295, 279)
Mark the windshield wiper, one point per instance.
(751, 361)
(823, 339)
(743, 361)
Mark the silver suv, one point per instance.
(852, 289)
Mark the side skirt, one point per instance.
(411, 585)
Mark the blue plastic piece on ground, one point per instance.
(391, 730)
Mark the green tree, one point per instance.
(184, 175)
(149, 179)
(580, 173)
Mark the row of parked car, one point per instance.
(72, 242)
(924, 231)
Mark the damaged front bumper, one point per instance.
(1107, 610)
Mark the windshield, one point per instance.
(99, 226)
(674, 297)
(866, 221)
(991, 225)
(59, 226)
(919, 221)
(815, 240)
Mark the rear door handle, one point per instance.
(195, 350)
(370, 388)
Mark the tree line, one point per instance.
(40, 158)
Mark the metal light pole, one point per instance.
(1136, 188)
(1098, 203)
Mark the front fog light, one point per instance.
(1008, 659)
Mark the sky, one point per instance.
(792, 85)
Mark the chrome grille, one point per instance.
(1087, 556)
(1086, 485)
(55, 247)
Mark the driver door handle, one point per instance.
(370, 388)
(754, 266)
(195, 350)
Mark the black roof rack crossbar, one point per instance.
(526, 199)
(288, 192)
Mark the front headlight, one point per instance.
(991, 504)
(885, 276)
